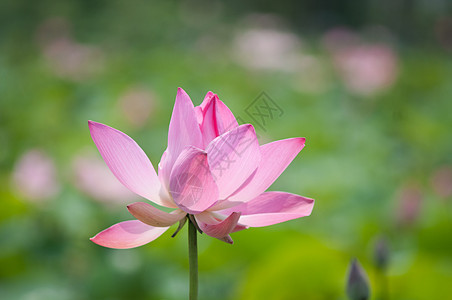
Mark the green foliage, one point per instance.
(363, 153)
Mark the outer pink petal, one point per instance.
(128, 162)
(153, 216)
(276, 156)
(233, 157)
(218, 228)
(164, 170)
(183, 131)
(128, 234)
(191, 183)
(271, 208)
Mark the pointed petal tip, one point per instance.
(249, 126)
(93, 123)
(311, 202)
(94, 240)
(181, 90)
(301, 141)
(182, 94)
(227, 239)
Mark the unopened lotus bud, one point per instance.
(357, 282)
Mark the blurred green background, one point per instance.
(368, 83)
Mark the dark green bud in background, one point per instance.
(357, 282)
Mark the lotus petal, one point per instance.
(276, 156)
(218, 228)
(272, 208)
(191, 182)
(233, 157)
(128, 234)
(128, 162)
(153, 216)
(183, 131)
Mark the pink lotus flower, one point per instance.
(213, 169)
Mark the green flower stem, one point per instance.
(383, 282)
(193, 260)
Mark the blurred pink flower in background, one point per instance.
(365, 68)
(265, 45)
(88, 168)
(34, 176)
(213, 169)
(65, 56)
(442, 182)
(409, 204)
(137, 105)
(268, 49)
(271, 49)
